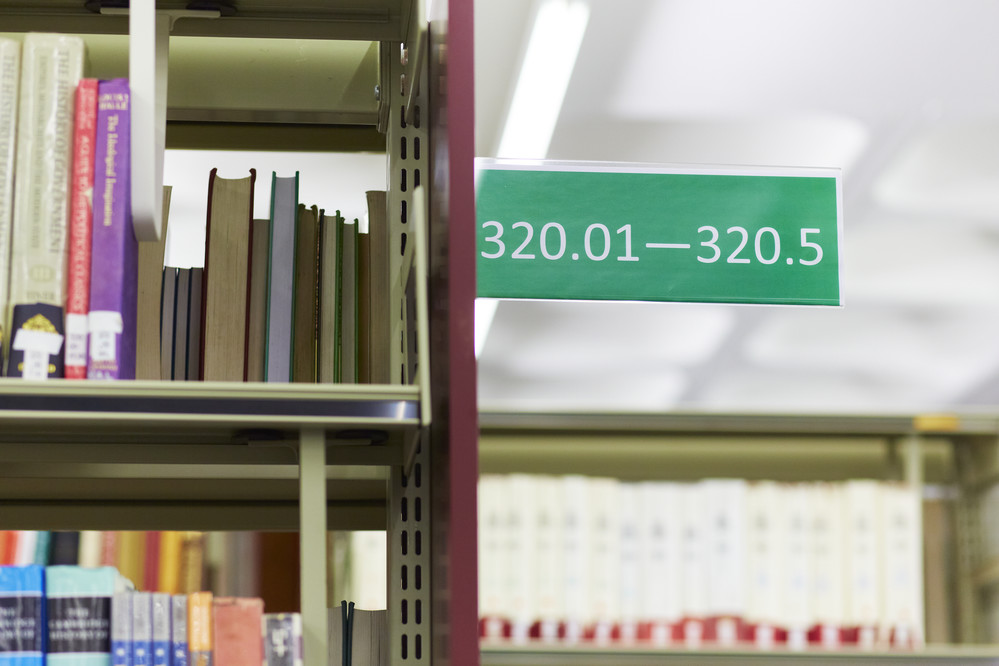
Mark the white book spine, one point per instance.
(605, 548)
(796, 575)
(27, 542)
(369, 562)
(550, 594)
(576, 556)
(725, 501)
(10, 72)
(521, 545)
(493, 606)
(662, 524)
(863, 502)
(91, 548)
(142, 626)
(764, 562)
(51, 67)
(828, 562)
(693, 544)
(632, 545)
(901, 575)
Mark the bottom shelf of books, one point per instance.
(160, 598)
(615, 543)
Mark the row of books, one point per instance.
(300, 296)
(303, 296)
(726, 562)
(164, 561)
(75, 615)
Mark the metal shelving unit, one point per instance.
(958, 452)
(198, 455)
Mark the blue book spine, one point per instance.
(161, 629)
(22, 616)
(79, 614)
(121, 629)
(178, 630)
(142, 629)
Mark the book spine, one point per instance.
(178, 630)
(200, 640)
(281, 278)
(79, 615)
(10, 74)
(27, 541)
(91, 548)
(148, 349)
(51, 67)
(8, 553)
(80, 226)
(151, 565)
(161, 629)
(22, 616)
(121, 629)
(142, 629)
(114, 257)
(282, 639)
(237, 631)
(43, 548)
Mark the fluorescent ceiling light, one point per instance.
(537, 101)
(544, 76)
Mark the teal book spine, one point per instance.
(79, 614)
(22, 616)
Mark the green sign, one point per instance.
(593, 231)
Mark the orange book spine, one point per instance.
(80, 229)
(200, 638)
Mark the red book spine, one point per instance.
(80, 223)
(151, 570)
(109, 550)
(9, 554)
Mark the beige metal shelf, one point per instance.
(754, 446)
(195, 455)
(541, 656)
(371, 20)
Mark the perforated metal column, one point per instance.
(409, 510)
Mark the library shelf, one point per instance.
(190, 455)
(555, 656)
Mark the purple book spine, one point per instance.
(114, 257)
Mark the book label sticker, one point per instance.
(104, 326)
(700, 234)
(37, 347)
(76, 339)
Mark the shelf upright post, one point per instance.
(312, 536)
(913, 476)
(409, 500)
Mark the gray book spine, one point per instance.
(281, 282)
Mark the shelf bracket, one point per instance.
(413, 52)
(148, 56)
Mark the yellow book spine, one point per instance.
(169, 573)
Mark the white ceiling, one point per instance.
(903, 95)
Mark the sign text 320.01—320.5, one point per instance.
(595, 231)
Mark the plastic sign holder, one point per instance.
(632, 232)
